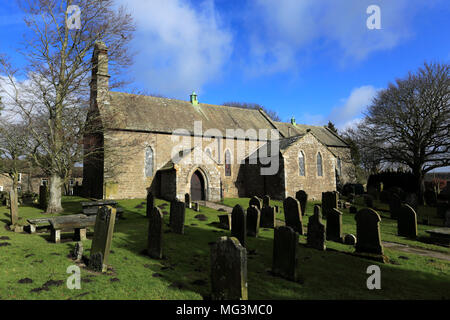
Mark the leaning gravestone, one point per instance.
(13, 208)
(225, 221)
(292, 214)
(177, 216)
(368, 238)
(228, 270)
(316, 230)
(150, 203)
(407, 222)
(267, 217)
(255, 201)
(334, 225)
(302, 197)
(239, 224)
(253, 218)
(285, 253)
(329, 202)
(103, 233)
(155, 234)
(187, 200)
(266, 201)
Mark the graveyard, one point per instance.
(34, 267)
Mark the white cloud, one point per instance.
(180, 48)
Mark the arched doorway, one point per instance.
(197, 186)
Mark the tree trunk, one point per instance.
(54, 202)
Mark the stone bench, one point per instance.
(77, 222)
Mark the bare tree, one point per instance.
(408, 123)
(272, 114)
(54, 100)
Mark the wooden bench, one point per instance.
(91, 207)
(77, 222)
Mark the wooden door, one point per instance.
(197, 187)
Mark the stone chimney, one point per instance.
(100, 77)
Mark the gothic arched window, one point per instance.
(301, 164)
(149, 162)
(319, 165)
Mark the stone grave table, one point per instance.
(77, 222)
(440, 235)
(91, 207)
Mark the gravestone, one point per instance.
(329, 202)
(239, 224)
(302, 197)
(412, 200)
(255, 201)
(225, 221)
(368, 238)
(407, 222)
(277, 209)
(177, 216)
(350, 239)
(196, 206)
(13, 208)
(430, 198)
(103, 233)
(43, 197)
(266, 201)
(316, 230)
(394, 204)
(187, 200)
(228, 270)
(267, 217)
(292, 214)
(78, 251)
(150, 203)
(253, 220)
(334, 225)
(155, 234)
(285, 253)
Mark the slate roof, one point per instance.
(155, 114)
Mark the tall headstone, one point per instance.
(334, 225)
(13, 208)
(394, 204)
(255, 201)
(187, 200)
(407, 222)
(239, 224)
(285, 253)
(43, 197)
(253, 218)
(150, 203)
(177, 216)
(103, 233)
(292, 214)
(267, 217)
(155, 234)
(316, 230)
(368, 238)
(228, 270)
(266, 201)
(329, 202)
(302, 197)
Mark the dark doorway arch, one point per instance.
(197, 186)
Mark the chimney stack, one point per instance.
(100, 77)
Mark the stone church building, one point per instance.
(176, 147)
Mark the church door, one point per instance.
(197, 186)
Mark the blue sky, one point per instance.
(312, 59)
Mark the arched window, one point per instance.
(319, 165)
(227, 163)
(339, 166)
(149, 162)
(301, 164)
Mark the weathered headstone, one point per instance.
(368, 238)
(155, 234)
(266, 201)
(187, 200)
(334, 225)
(225, 221)
(277, 209)
(350, 239)
(196, 206)
(412, 200)
(292, 214)
(268, 217)
(239, 224)
(394, 204)
(13, 208)
(255, 201)
(285, 253)
(407, 222)
(302, 197)
(103, 233)
(78, 251)
(329, 202)
(228, 270)
(253, 218)
(150, 203)
(177, 216)
(316, 230)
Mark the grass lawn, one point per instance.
(184, 273)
